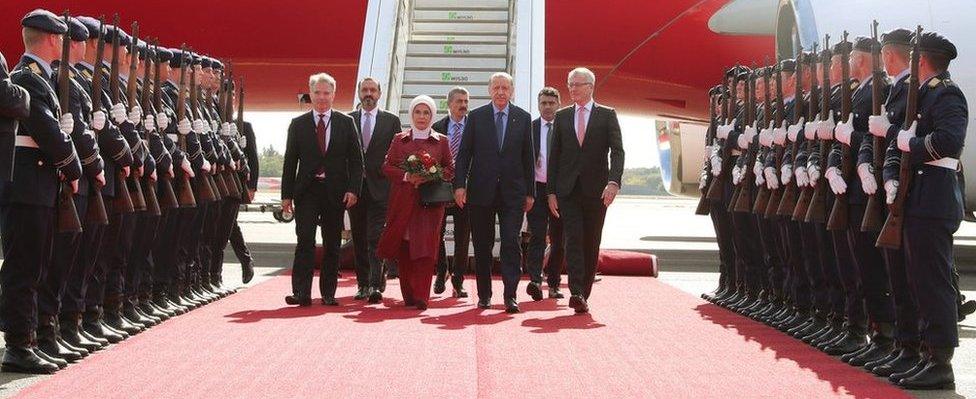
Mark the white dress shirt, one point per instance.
(542, 160)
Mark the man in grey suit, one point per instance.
(581, 185)
(377, 128)
(495, 177)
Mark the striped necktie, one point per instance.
(456, 140)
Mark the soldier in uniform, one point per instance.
(14, 104)
(933, 144)
(44, 157)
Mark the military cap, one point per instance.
(841, 47)
(77, 30)
(742, 73)
(197, 59)
(932, 42)
(787, 65)
(897, 36)
(177, 59)
(163, 54)
(205, 61)
(715, 90)
(110, 31)
(216, 64)
(44, 20)
(91, 24)
(865, 44)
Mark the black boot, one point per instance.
(917, 367)
(70, 332)
(907, 358)
(855, 339)
(882, 344)
(19, 357)
(92, 323)
(129, 312)
(113, 318)
(937, 373)
(47, 341)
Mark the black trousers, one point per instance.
(208, 236)
(106, 281)
(543, 224)
(819, 292)
(928, 259)
(583, 219)
(462, 240)
(749, 263)
(906, 310)
(314, 209)
(28, 237)
(772, 255)
(139, 276)
(191, 243)
(797, 284)
(368, 218)
(165, 251)
(225, 227)
(73, 299)
(482, 220)
(239, 245)
(63, 261)
(849, 276)
(725, 235)
(874, 282)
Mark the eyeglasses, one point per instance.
(578, 84)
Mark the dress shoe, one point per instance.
(965, 309)
(937, 373)
(459, 291)
(149, 310)
(362, 293)
(439, 285)
(93, 324)
(61, 363)
(421, 305)
(879, 349)
(118, 322)
(375, 296)
(99, 340)
(511, 306)
(23, 359)
(69, 325)
(330, 302)
(907, 358)
(130, 313)
(298, 300)
(555, 294)
(870, 366)
(484, 304)
(77, 349)
(578, 304)
(918, 366)
(247, 272)
(53, 349)
(534, 290)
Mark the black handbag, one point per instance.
(436, 193)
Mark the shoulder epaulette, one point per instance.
(36, 69)
(934, 82)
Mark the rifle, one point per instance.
(716, 188)
(803, 203)
(138, 199)
(839, 215)
(703, 203)
(149, 188)
(762, 198)
(818, 204)
(185, 197)
(96, 212)
(890, 236)
(226, 112)
(873, 209)
(742, 200)
(68, 221)
(123, 200)
(235, 176)
(205, 190)
(167, 197)
(776, 196)
(788, 203)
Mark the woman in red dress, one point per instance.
(412, 231)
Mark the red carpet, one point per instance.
(644, 339)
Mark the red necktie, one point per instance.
(320, 132)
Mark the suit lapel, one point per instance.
(508, 127)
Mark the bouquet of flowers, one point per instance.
(423, 164)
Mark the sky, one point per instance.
(270, 128)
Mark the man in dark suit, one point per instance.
(496, 164)
(44, 157)
(452, 126)
(541, 222)
(581, 185)
(323, 175)
(377, 128)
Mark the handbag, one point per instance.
(436, 193)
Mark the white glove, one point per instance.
(184, 127)
(233, 129)
(206, 166)
(825, 129)
(878, 125)
(844, 131)
(118, 113)
(802, 177)
(98, 120)
(716, 161)
(766, 138)
(135, 115)
(868, 184)
(724, 130)
(736, 175)
(213, 126)
(757, 168)
(759, 180)
(786, 174)
(772, 182)
(243, 143)
(149, 123)
(779, 136)
(837, 184)
(225, 129)
(67, 123)
(891, 191)
(162, 121)
(198, 126)
(905, 138)
(794, 130)
(185, 165)
(702, 180)
(810, 130)
(746, 137)
(814, 172)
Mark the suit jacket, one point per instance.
(251, 153)
(484, 169)
(14, 104)
(113, 147)
(385, 127)
(861, 108)
(342, 162)
(80, 107)
(35, 181)
(570, 164)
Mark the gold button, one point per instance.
(40, 163)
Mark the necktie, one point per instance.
(456, 140)
(367, 130)
(500, 128)
(320, 133)
(581, 125)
